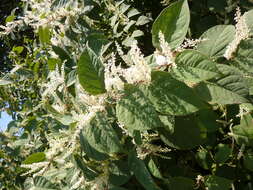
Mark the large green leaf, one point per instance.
(213, 182)
(207, 118)
(230, 88)
(119, 173)
(136, 112)
(248, 160)
(243, 57)
(101, 135)
(90, 72)
(186, 133)
(89, 150)
(243, 133)
(97, 42)
(249, 21)
(35, 157)
(171, 96)
(141, 172)
(216, 40)
(173, 22)
(88, 173)
(193, 66)
(223, 153)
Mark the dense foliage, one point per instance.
(129, 94)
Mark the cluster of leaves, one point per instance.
(190, 127)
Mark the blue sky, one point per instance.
(4, 120)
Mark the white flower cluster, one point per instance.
(78, 183)
(56, 146)
(242, 33)
(10, 27)
(138, 71)
(41, 13)
(56, 80)
(190, 43)
(34, 167)
(112, 76)
(244, 109)
(165, 57)
(147, 148)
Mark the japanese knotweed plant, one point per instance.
(180, 118)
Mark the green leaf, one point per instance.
(52, 63)
(244, 56)
(10, 18)
(207, 118)
(248, 160)
(154, 169)
(141, 172)
(173, 22)
(96, 42)
(137, 137)
(193, 66)
(44, 35)
(217, 183)
(137, 33)
(248, 17)
(34, 158)
(89, 150)
(230, 88)
(90, 72)
(101, 135)
(243, 133)
(119, 173)
(135, 110)
(223, 153)
(64, 119)
(142, 20)
(42, 183)
(204, 159)
(213, 94)
(168, 122)
(173, 97)
(129, 25)
(226, 170)
(181, 183)
(217, 39)
(132, 13)
(63, 55)
(185, 134)
(88, 173)
(18, 49)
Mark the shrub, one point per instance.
(96, 107)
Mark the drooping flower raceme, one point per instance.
(138, 71)
(165, 56)
(241, 33)
(112, 76)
